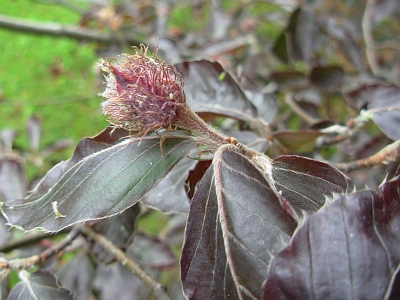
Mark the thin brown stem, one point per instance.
(189, 120)
(56, 29)
(29, 239)
(23, 263)
(298, 110)
(369, 39)
(157, 288)
(388, 154)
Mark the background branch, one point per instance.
(157, 288)
(58, 30)
(28, 240)
(298, 110)
(369, 39)
(23, 263)
(388, 154)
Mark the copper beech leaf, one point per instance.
(209, 89)
(118, 229)
(235, 225)
(347, 250)
(42, 285)
(13, 181)
(77, 276)
(114, 281)
(172, 188)
(102, 184)
(297, 140)
(305, 182)
(385, 110)
(85, 147)
(151, 252)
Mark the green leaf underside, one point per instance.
(102, 184)
(235, 225)
(41, 285)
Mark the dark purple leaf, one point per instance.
(204, 269)
(384, 9)
(358, 97)
(168, 49)
(194, 177)
(305, 182)
(77, 276)
(328, 78)
(280, 48)
(364, 145)
(219, 23)
(346, 35)
(7, 137)
(13, 181)
(235, 225)
(290, 80)
(321, 124)
(117, 282)
(266, 104)
(174, 232)
(347, 250)
(41, 285)
(118, 229)
(34, 128)
(297, 140)
(151, 252)
(169, 195)
(310, 96)
(210, 89)
(4, 288)
(393, 290)
(385, 110)
(85, 147)
(101, 185)
(301, 33)
(226, 46)
(5, 233)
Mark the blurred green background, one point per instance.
(54, 79)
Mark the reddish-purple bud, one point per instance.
(142, 92)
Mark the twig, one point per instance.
(125, 260)
(388, 154)
(28, 240)
(59, 30)
(298, 110)
(369, 39)
(23, 263)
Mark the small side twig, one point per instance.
(24, 263)
(157, 288)
(298, 110)
(55, 29)
(388, 154)
(28, 240)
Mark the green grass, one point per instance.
(67, 100)
(184, 17)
